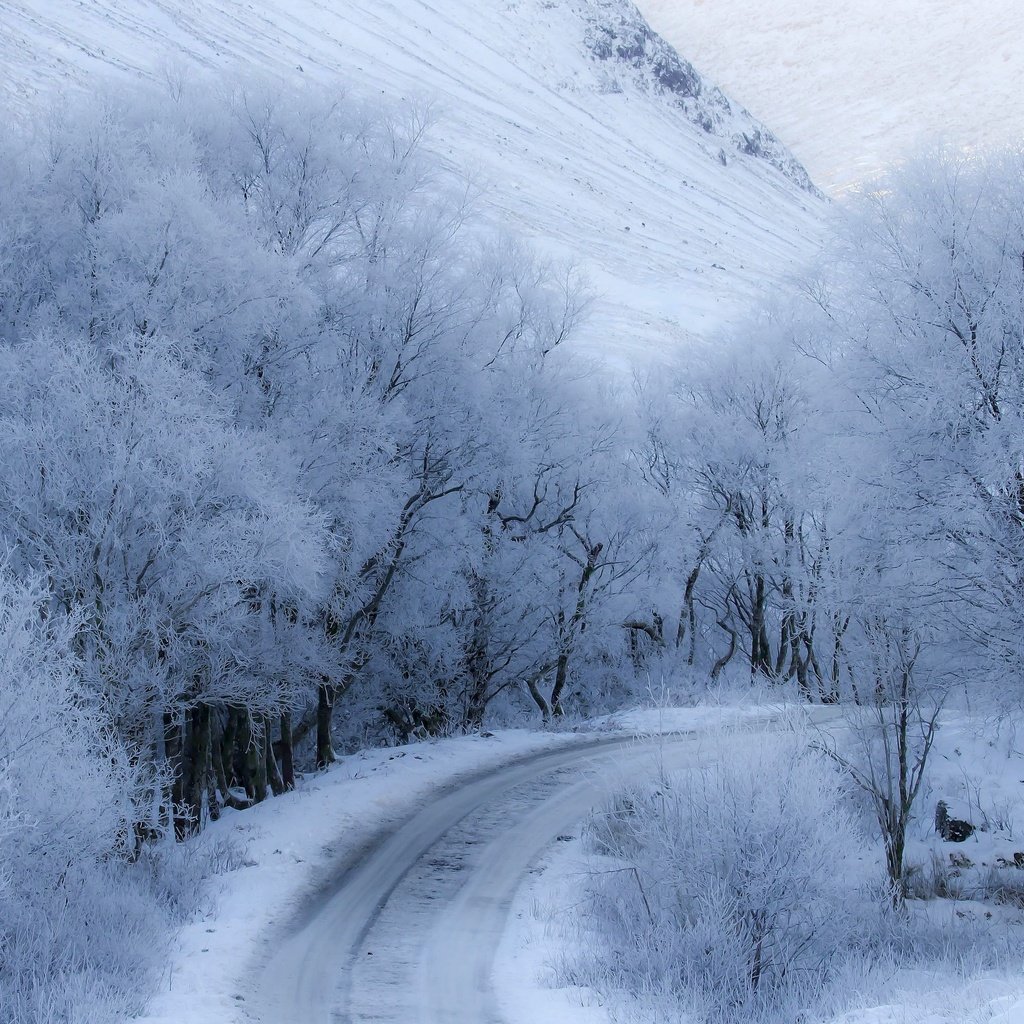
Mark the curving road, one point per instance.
(408, 932)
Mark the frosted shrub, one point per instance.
(728, 888)
(81, 927)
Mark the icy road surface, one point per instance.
(410, 930)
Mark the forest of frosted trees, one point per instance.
(299, 454)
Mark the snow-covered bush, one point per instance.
(730, 889)
(80, 925)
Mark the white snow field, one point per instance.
(580, 123)
(380, 890)
(430, 884)
(977, 766)
(850, 87)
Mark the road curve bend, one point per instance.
(408, 931)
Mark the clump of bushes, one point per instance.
(734, 890)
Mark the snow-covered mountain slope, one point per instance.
(851, 87)
(596, 140)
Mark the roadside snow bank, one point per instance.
(290, 845)
(278, 854)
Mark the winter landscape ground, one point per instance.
(882, 78)
(574, 153)
(485, 539)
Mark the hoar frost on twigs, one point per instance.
(287, 429)
(79, 924)
(731, 888)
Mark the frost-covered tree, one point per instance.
(77, 921)
(153, 522)
(853, 451)
(931, 339)
(266, 373)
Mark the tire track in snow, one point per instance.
(409, 930)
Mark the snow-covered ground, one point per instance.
(283, 851)
(284, 857)
(582, 155)
(850, 87)
(977, 767)
(482, 915)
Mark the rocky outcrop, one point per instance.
(617, 36)
(952, 830)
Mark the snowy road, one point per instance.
(409, 931)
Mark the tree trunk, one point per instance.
(895, 844)
(719, 665)
(800, 664)
(208, 781)
(257, 758)
(228, 750)
(222, 756)
(691, 612)
(195, 763)
(561, 676)
(476, 697)
(287, 751)
(475, 710)
(787, 643)
(840, 629)
(253, 759)
(538, 699)
(571, 631)
(760, 649)
(277, 786)
(326, 695)
(688, 616)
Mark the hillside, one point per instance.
(594, 138)
(941, 69)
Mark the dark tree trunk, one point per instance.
(223, 748)
(532, 684)
(326, 695)
(800, 665)
(256, 756)
(277, 786)
(253, 760)
(724, 660)
(287, 751)
(196, 770)
(760, 649)
(690, 628)
(479, 682)
(242, 765)
(225, 752)
(837, 657)
(476, 707)
(477, 666)
(569, 632)
(787, 637)
(561, 676)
